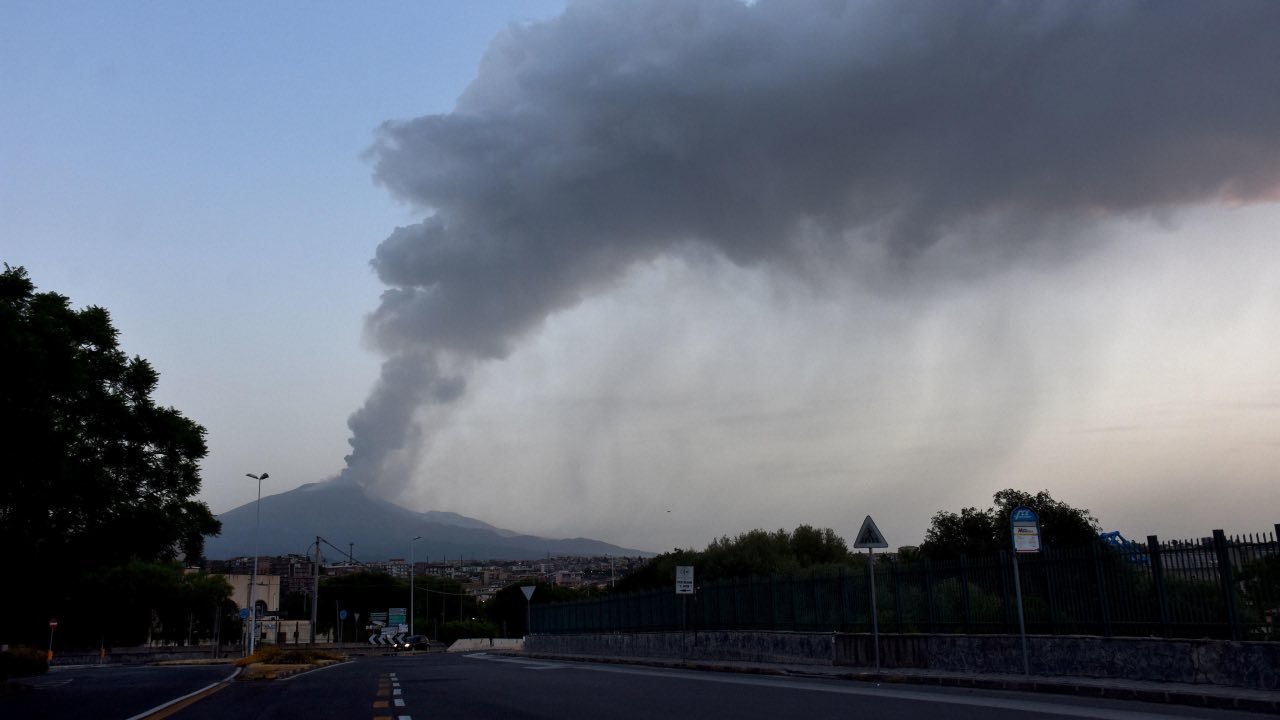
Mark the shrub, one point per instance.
(276, 655)
(455, 630)
(23, 661)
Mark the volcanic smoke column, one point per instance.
(780, 131)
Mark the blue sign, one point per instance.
(1023, 515)
(244, 613)
(1025, 528)
(342, 615)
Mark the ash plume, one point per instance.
(623, 131)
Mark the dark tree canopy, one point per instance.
(753, 553)
(95, 473)
(975, 532)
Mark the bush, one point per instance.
(456, 630)
(23, 661)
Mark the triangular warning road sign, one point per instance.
(869, 536)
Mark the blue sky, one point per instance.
(205, 172)
(197, 170)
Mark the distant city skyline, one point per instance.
(655, 273)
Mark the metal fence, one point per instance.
(1215, 587)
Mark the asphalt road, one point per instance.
(478, 686)
(106, 692)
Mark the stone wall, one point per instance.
(1254, 665)
(138, 656)
(776, 647)
(1210, 662)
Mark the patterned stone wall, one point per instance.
(1210, 662)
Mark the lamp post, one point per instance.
(411, 542)
(253, 579)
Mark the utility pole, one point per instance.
(315, 591)
(253, 577)
(411, 582)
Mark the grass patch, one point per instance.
(259, 671)
(272, 662)
(276, 655)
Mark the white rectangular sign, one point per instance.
(684, 579)
(1026, 538)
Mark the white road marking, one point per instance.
(175, 701)
(529, 664)
(395, 691)
(399, 702)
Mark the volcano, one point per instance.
(344, 513)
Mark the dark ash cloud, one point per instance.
(623, 131)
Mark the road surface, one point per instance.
(478, 686)
(105, 692)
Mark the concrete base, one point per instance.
(483, 644)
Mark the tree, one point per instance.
(96, 474)
(131, 603)
(758, 552)
(975, 532)
(508, 612)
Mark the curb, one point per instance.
(1216, 701)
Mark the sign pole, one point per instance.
(1022, 623)
(53, 625)
(875, 615)
(528, 608)
(870, 537)
(1024, 532)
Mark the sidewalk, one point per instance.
(1206, 696)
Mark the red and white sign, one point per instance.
(53, 623)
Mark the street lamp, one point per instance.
(411, 542)
(253, 579)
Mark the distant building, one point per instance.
(266, 597)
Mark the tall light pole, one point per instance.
(253, 580)
(411, 542)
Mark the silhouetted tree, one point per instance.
(975, 532)
(96, 474)
(507, 608)
(757, 552)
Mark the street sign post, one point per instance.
(684, 579)
(870, 537)
(1025, 526)
(528, 607)
(684, 586)
(53, 625)
(1024, 531)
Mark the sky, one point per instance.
(656, 272)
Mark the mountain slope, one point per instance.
(343, 513)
